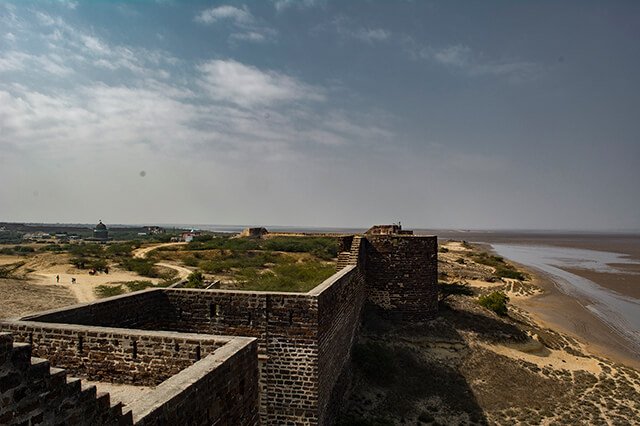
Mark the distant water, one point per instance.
(620, 312)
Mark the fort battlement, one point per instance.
(301, 342)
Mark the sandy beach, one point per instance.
(570, 313)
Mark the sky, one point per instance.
(439, 114)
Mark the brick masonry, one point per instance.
(303, 340)
(402, 275)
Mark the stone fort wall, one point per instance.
(304, 340)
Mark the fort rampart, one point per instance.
(303, 340)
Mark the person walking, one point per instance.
(57, 278)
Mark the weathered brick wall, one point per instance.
(339, 307)
(31, 394)
(126, 311)
(286, 327)
(304, 340)
(114, 355)
(221, 389)
(402, 275)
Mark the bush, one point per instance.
(86, 250)
(23, 250)
(322, 247)
(142, 267)
(195, 280)
(122, 249)
(443, 250)
(52, 247)
(109, 290)
(98, 265)
(138, 285)
(503, 269)
(447, 290)
(496, 301)
(79, 262)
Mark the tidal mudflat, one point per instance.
(619, 311)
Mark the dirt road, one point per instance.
(142, 252)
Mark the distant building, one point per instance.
(35, 236)
(153, 230)
(254, 232)
(100, 233)
(188, 236)
(395, 229)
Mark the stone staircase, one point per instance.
(347, 258)
(32, 392)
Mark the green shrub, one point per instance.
(503, 269)
(98, 265)
(322, 247)
(23, 249)
(447, 289)
(122, 249)
(142, 267)
(109, 290)
(195, 280)
(79, 262)
(286, 277)
(86, 250)
(53, 247)
(138, 285)
(505, 272)
(190, 261)
(496, 301)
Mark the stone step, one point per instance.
(57, 376)
(74, 385)
(103, 401)
(39, 368)
(21, 356)
(6, 345)
(87, 392)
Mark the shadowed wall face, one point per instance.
(402, 275)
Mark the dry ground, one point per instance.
(470, 366)
(20, 297)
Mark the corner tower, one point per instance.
(401, 272)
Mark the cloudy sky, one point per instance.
(487, 114)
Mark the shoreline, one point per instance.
(560, 312)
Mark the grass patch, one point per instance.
(234, 260)
(138, 285)
(286, 277)
(109, 290)
(323, 247)
(503, 269)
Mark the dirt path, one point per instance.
(142, 252)
(84, 287)
(182, 271)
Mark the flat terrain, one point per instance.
(471, 366)
(20, 297)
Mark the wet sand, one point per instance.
(566, 314)
(569, 313)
